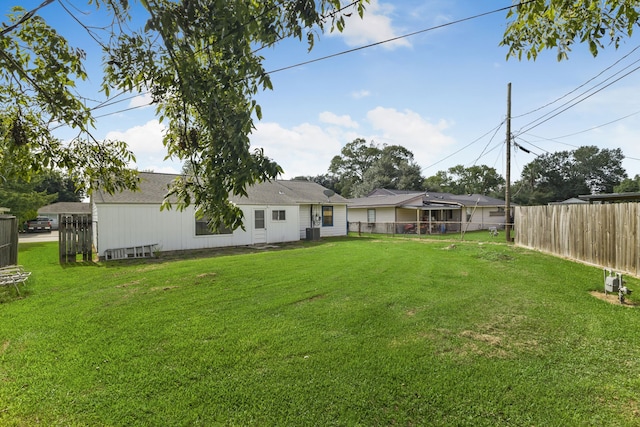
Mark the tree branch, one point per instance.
(26, 17)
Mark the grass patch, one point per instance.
(353, 331)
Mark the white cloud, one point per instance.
(304, 150)
(146, 143)
(143, 100)
(333, 119)
(359, 94)
(407, 128)
(307, 149)
(375, 26)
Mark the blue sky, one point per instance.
(442, 93)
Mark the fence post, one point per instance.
(8, 240)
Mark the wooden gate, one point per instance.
(75, 237)
(8, 240)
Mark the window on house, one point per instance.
(278, 215)
(498, 212)
(202, 228)
(327, 216)
(371, 215)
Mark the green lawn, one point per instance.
(355, 331)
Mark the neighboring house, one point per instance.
(57, 210)
(274, 212)
(436, 212)
(570, 201)
(611, 197)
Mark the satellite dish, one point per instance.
(329, 193)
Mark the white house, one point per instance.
(55, 210)
(399, 211)
(274, 212)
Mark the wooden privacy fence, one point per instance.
(605, 235)
(75, 237)
(8, 240)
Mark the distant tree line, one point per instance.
(24, 197)
(362, 167)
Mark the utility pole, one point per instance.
(507, 188)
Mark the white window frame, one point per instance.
(278, 215)
(371, 216)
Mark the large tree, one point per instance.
(199, 59)
(326, 180)
(349, 167)
(628, 185)
(362, 167)
(394, 168)
(38, 72)
(477, 179)
(545, 24)
(54, 182)
(565, 174)
(23, 198)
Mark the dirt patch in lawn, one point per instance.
(612, 298)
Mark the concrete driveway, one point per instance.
(38, 237)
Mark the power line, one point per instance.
(490, 140)
(344, 52)
(539, 119)
(533, 126)
(530, 143)
(107, 102)
(464, 148)
(595, 127)
(324, 17)
(349, 50)
(581, 86)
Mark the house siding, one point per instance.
(339, 227)
(280, 231)
(407, 215)
(305, 220)
(383, 214)
(127, 225)
(481, 219)
(131, 219)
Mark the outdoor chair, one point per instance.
(13, 275)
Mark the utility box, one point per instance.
(612, 281)
(611, 284)
(313, 234)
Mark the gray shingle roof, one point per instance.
(388, 200)
(385, 197)
(70, 208)
(154, 187)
